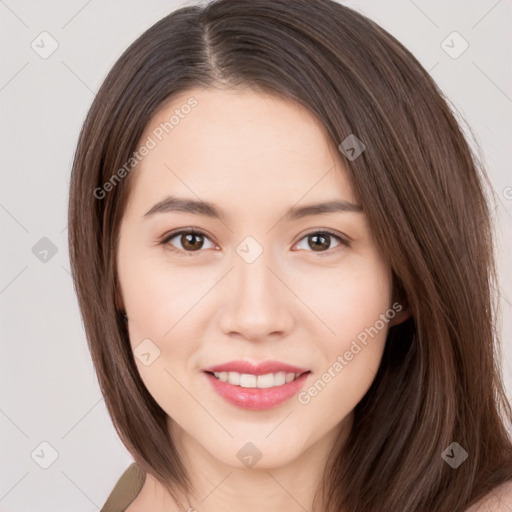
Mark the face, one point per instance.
(266, 324)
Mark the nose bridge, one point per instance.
(254, 281)
(256, 305)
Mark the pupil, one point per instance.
(319, 241)
(316, 246)
(188, 238)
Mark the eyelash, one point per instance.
(169, 236)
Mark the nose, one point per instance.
(257, 305)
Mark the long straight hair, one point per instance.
(424, 191)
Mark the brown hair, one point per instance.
(422, 189)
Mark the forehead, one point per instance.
(238, 142)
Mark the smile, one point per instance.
(256, 386)
(248, 380)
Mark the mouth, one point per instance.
(248, 380)
(256, 386)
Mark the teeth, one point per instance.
(246, 380)
(290, 377)
(279, 378)
(266, 381)
(234, 378)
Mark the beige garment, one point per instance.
(126, 489)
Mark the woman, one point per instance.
(282, 251)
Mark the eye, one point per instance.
(189, 240)
(320, 241)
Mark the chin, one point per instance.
(256, 452)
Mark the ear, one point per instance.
(400, 316)
(403, 312)
(119, 300)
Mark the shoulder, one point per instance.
(126, 490)
(498, 500)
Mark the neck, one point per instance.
(220, 487)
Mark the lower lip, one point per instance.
(257, 398)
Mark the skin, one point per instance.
(255, 156)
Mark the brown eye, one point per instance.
(191, 241)
(187, 241)
(321, 241)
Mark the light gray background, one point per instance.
(48, 388)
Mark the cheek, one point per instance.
(163, 307)
(157, 299)
(355, 309)
(346, 299)
(161, 298)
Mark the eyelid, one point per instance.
(183, 231)
(344, 240)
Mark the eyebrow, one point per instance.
(182, 205)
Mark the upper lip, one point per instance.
(256, 368)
